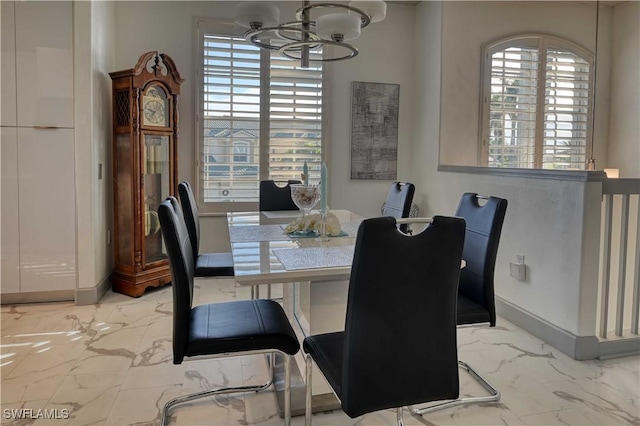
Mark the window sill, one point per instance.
(569, 175)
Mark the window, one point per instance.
(537, 100)
(261, 118)
(241, 152)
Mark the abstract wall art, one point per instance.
(374, 130)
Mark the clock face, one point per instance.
(154, 109)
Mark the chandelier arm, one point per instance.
(364, 17)
(251, 37)
(295, 47)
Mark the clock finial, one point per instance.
(156, 66)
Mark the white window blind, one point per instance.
(538, 103)
(512, 122)
(231, 118)
(566, 110)
(295, 134)
(233, 158)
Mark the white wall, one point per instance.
(386, 56)
(544, 219)
(468, 25)
(624, 133)
(93, 59)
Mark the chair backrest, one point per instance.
(484, 226)
(399, 201)
(274, 197)
(191, 216)
(180, 254)
(400, 330)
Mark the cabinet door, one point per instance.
(8, 64)
(47, 209)
(10, 234)
(44, 63)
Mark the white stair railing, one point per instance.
(619, 296)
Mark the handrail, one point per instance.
(621, 186)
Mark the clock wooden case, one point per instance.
(145, 140)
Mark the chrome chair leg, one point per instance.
(399, 416)
(287, 390)
(494, 394)
(253, 388)
(211, 392)
(307, 407)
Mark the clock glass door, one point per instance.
(157, 186)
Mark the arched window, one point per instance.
(536, 103)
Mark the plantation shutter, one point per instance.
(512, 113)
(232, 153)
(295, 134)
(537, 104)
(566, 110)
(231, 120)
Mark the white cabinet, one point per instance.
(8, 64)
(10, 231)
(46, 209)
(38, 155)
(44, 60)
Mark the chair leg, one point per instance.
(211, 392)
(493, 396)
(253, 388)
(399, 416)
(307, 408)
(287, 390)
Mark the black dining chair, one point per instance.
(476, 300)
(275, 197)
(398, 203)
(224, 329)
(402, 288)
(206, 264)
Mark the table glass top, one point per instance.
(263, 253)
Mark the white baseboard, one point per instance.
(577, 347)
(92, 295)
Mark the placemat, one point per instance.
(314, 257)
(248, 233)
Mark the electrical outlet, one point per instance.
(518, 271)
(520, 259)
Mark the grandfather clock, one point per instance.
(145, 139)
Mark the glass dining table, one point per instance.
(314, 275)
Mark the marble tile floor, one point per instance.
(111, 364)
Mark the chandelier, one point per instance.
(295, 39)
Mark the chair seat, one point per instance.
(214, 265)
(244, 325)
(326, 351)
(470, 312)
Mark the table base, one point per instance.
(319, 403)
